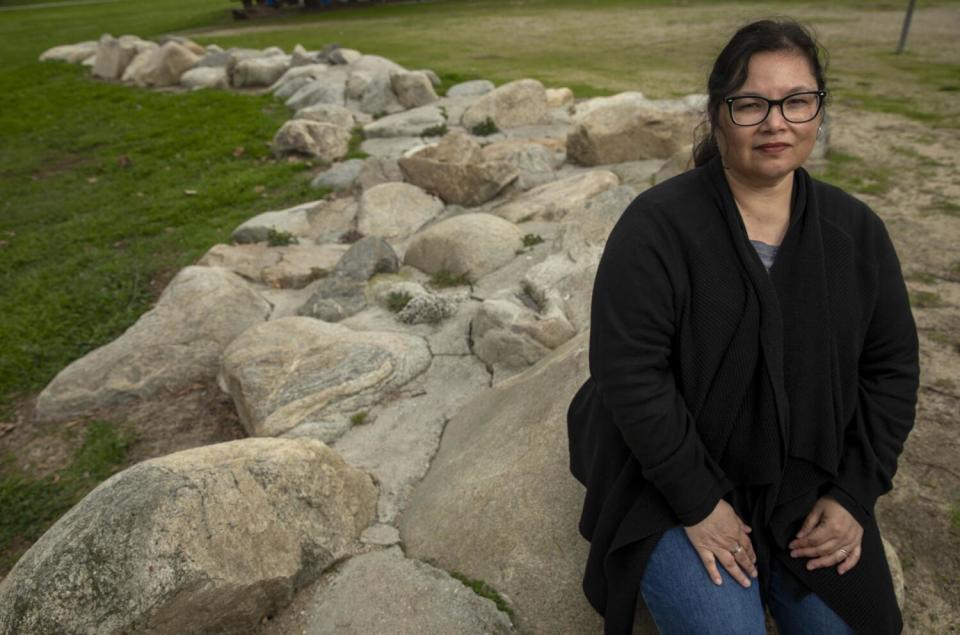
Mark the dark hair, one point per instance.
(730, 70)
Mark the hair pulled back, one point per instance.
(730, 69)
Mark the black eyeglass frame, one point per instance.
(821, 95)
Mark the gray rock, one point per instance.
(326, 89)
(165, 65)
(638, 174)
(378, 170)
(680, 162)
(72, 53)
(504, 446)
(297, 369)
(382, 591)
(218, 59)
(398, 445)
(334, 298)
(205, 77)
(376, 96)
(396, 210)
(595, 217)
(628, 129)
(457, 170)
(340, 176)
(258, 71)
(327, 113)
(413, 89)
(432, 76)
(553, 200)
(518, 103)
(204, 540)
(113, 55)
(288, 267)
(559, 97)
(367, 257)
(471, 88)
(137, 64)
(343, 56)
(302, 57)
(293, 74)
(383, 535)
(391, 148)
(324, 141)
(294, 220)
(428, 309)
(176, 343)
(406, 124)
(468, 244)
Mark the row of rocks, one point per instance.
(397, 364)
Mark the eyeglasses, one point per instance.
(749, 110)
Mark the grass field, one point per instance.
(94, 211)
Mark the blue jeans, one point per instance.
(682, 599)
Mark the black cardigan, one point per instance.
(709, 375)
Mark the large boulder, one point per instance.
(467, 244)
(471, 88)
(113, 55)
(457, 170)
(176, 343)
(324, 141)
(411, 123)
(165, 65)
(328, 88)
(297, 371)
(499, 503)
(136, 65)
(629, 129)
(377, 170)
(552, 201)
(293, 220)
(413, 89)
(340, 176)
(205, 540)
(342, 293)
(205, 77)
(258, 71)
(396, 210)
(286, 267)
(72, 53)
(518, 103)
(383, 588)
(327, 113)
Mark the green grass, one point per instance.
(277, 238)
(444, 278)
(854, 174)
(397, 300)
(30, 506)
(925, 299)
(359, 418)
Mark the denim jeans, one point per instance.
(682, 599)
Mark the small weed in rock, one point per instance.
(529, 240)
(359, 418)
(484, 590)
(435, 131)
(396, 300)
(353, 150)
(278, 238)
(485, 128)
(525, 219)
(444, 278)
(349, 237)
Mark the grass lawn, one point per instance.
(94, 211)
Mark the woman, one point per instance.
(754, 370)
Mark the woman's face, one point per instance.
(764, 154)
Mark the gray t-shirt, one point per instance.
(766, 252)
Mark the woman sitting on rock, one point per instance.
(754, 374)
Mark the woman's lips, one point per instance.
(773, 148)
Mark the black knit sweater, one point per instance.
(711, 378)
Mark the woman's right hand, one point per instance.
(722, 537)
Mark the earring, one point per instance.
(819, 130)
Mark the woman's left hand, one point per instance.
(830, 535)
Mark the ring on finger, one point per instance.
(738, 549)
(844, 552)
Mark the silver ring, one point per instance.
(738, 549)
(844, 552)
